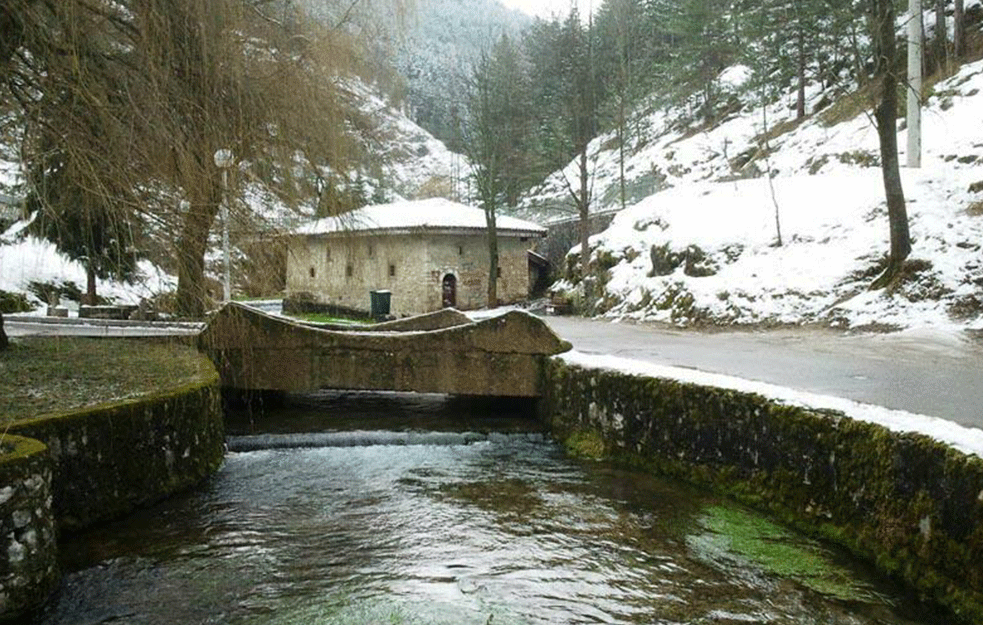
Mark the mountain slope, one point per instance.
(701, 246)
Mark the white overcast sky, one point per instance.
(546, 8)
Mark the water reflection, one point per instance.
(499, 530)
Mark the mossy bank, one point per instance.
(70, 468)
(910, 505)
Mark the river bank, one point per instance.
(92, 431)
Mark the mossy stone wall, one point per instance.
(112, 458)
(910, 505)
(28, 551)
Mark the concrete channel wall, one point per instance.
(71, 470)
(908, 504)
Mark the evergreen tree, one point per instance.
(494, 138)
(705, 45)
(84, 226)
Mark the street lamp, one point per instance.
(224, 160)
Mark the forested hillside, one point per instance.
(743, 140)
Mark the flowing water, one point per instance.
(436, 512)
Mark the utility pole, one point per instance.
(916, 47)
(224, 160)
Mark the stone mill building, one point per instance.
(429, 254)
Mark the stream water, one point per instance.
(379, 509)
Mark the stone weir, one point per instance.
(503, 356)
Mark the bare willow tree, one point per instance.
(223, 74)
(127, 101)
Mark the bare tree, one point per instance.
(485, 147)
(881, 16)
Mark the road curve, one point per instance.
(933, 374)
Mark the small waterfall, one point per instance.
(362, 438)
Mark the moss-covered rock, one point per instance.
(907, 503)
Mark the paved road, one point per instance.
(930, 374)
(49, 326)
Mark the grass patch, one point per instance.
(52, 374)
(325, 318)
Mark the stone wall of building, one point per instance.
(342, 270)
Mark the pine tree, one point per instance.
(704, 47)
(86, 227)
(493, 138)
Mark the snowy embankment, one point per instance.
(702, 247)
(28, 260)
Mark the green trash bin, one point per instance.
(381, 301)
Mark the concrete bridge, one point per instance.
(441, 352)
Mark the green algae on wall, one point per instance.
(28, 566)
(909, 504)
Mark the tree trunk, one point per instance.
(621, 149)
(90, 284)
(959, 39)
(941, 34)
(3, 335)
(885, 114)
(800, 102)
(190, 252)
(492, 258)
(583, 210)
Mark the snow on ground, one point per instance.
(964, 439)
(34, 260)
(699, 246)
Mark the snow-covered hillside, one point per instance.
(398, 153)
(700, 247)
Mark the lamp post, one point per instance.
(224, 160)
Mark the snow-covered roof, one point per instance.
(431, 215)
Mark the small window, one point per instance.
(327, 254)
(392, 271)
(498, 272)
(371, 250)
(460, 250)
(313, 273)
(349, 270)
(523, 239)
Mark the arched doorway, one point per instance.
(449, 291)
